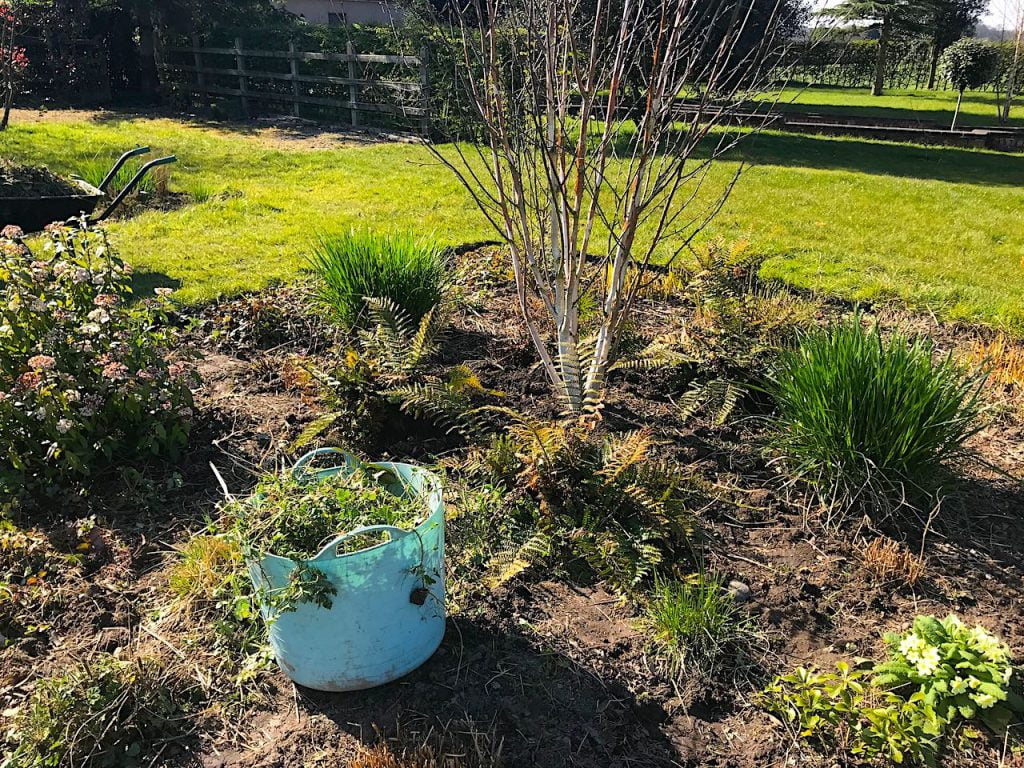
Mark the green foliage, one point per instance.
(95, 170)
(408, 272)
(86, 376)
(385, 373)
(605, 503)
(940, 676)
(739, 321)
(295, 517)
(862, 417)
(697, 627)
(104, 712)
(960, 672)
(843, 713)
(968, 63)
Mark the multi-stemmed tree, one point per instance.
(592, 133)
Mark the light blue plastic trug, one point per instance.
(387, 616)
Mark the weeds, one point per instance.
(409, 272)
(697, 629)
(868, 420)
(889, 562)
(103, 712)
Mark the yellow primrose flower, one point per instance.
(984, 700)
(928, 661)
(958, 685)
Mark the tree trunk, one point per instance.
(956, 112)
(1012, 80)
(8, 102)
(933, 65)
(880, 58)
(149, 81)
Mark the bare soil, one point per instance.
(554, 672)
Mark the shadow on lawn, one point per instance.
(145, 283)
(929, 114)
(545, 710)
(949, 164)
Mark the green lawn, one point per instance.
(978, 108)
(938, 228)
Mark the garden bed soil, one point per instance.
(19, 181)
(554, 673)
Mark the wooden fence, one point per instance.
(388, 85)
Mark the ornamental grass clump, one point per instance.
(400, 268)
(88, 377)
(870, 420)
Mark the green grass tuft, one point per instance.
(360, 264)
(697, 628)
(864, 418)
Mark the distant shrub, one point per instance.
(105, 712)
(360, 264)
(861, 417)
(86, 376)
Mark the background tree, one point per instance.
(12, 58)
(967, 63)
(888, 17)
(947, 21)
(564, 162)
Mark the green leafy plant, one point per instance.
(385, 374)
(87, 377)
(843, 713)
(866, 418)
(103, 712)
(352, 266)
(294, 517)
(604, 502)
(697, 628)
(959, 671)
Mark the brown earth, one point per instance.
(555, 673)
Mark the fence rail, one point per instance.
(401, 92)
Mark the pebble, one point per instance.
(739, 591)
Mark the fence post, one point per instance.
(293, 60)
(353, 89)
(198, 58)
(425, 92)
(242, 79)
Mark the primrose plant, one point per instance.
(961, 671)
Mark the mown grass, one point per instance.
(938, 228)
(978, 108)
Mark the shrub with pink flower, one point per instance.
(92, 377)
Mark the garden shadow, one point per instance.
(950, 164)
(544, 709)
(144, 283)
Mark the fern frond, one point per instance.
(314, 429)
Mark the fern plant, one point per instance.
(604, 502)
(738, 323)
(385, 374)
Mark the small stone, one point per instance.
(739, 591)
